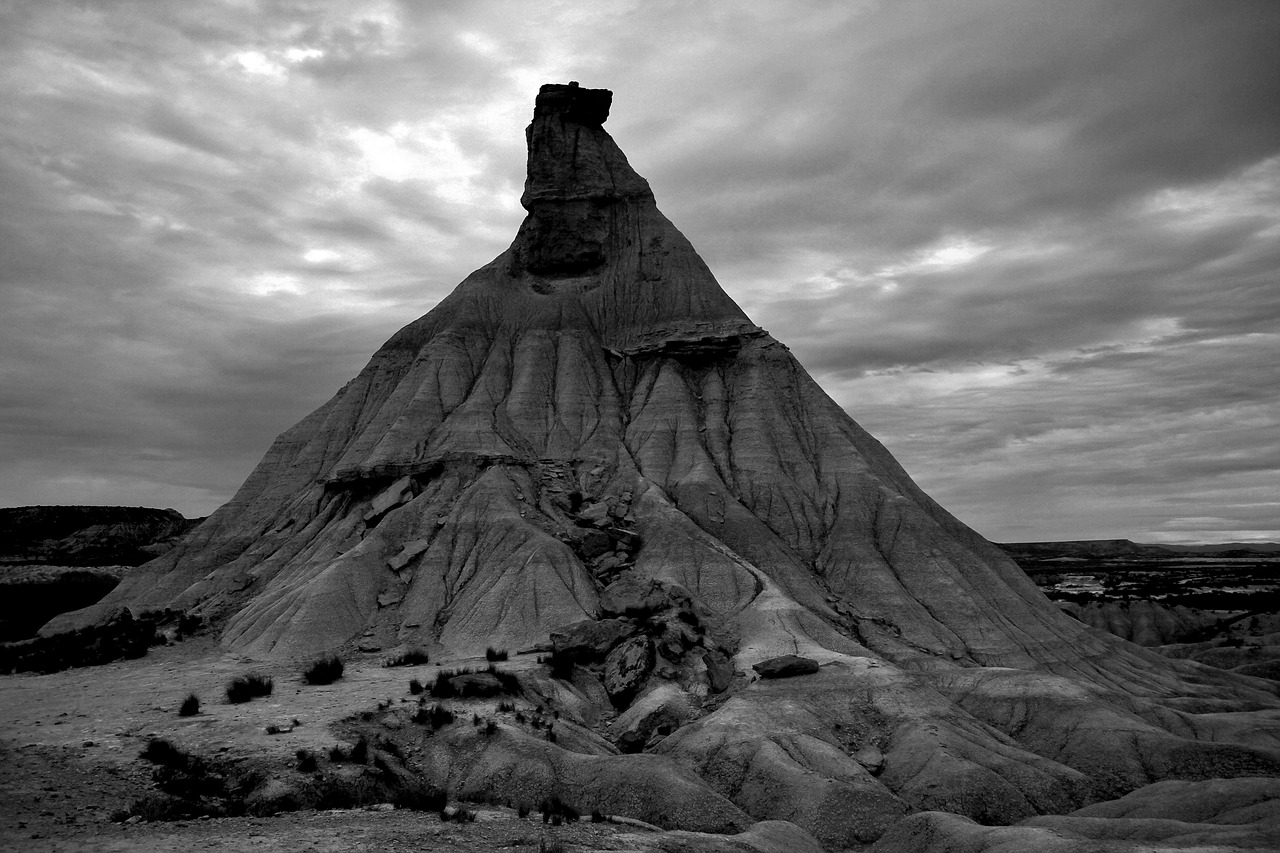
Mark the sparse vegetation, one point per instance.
(325, 670)
(437, 716)
(190, 706)
(554, 810)
(243, 688)
(410, 657)
(192, 786)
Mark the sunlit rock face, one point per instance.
(589, 412)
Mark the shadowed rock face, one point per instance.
(591, 408)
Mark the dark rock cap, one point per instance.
(573, 103)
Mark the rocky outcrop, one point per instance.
(589, 428)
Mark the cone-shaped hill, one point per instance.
(588, 432)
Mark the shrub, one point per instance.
(410, 657)
(162, 752)
(325, 670)
(506, 707)
(597, 816)
(350, 791)
(491, 654)
(307, 762)
(437, 716)
(190, 706)
(523, 810)
(442, 688)
(360, 752)
(490, 727)
(509, 680)
(242, 688)
(415, 686)
(420, 797)
(555, 810)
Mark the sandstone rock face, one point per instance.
(594, 382)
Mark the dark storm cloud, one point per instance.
(1031, 246)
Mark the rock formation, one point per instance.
(588, 428)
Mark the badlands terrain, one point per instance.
(658, 576)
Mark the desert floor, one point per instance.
(69, 745)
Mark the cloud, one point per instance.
(1032, 247)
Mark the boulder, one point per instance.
(871, 758)
(626, 668)
(591, 639)
(595, 514)
(719, 670)
(658, 712)
(634, 596)
(593, 543)
(786, 666)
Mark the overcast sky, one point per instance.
(1033, 247)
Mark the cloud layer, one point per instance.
(1032, 247)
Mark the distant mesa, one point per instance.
(588, 429)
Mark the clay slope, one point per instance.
(591, 409)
